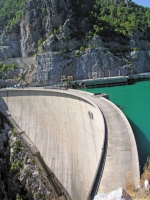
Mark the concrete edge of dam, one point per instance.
(133, 145)
(129, 134)
(135, 170)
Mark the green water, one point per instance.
(135, 102)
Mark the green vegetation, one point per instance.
(40, 41)
(10, 12)
(55, 31)
(135, 49)
(65, 51)
(99, 18)
(113, 19)
(77, 53)
(81, 48)
(14, 133)
(108, 19)
(16, 146)
(4, 67)
(15, 166)
(33, 160)
(38, 196)
(18, 197)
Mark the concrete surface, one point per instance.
(60, 127)
(68, 129)
(122, 163)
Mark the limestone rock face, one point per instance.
(58, 36)
(50, 66)
(10, 41)
(41, 18)
(54, 44)
(138, 40)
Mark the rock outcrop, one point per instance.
(58, 36)
(50, 66)
(119, 194)
(41, 18)
(56, 33)
(10, 41)
(20, 177)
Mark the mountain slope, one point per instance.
(79, 37)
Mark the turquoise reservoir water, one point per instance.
(135, 102)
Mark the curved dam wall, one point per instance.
(67, 129)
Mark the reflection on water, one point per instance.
(134, 101)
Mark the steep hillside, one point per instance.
(77, 37)
(77, 22)
(10, 18)
(10, 13)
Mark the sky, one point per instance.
(145, 3)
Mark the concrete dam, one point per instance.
(84, 139)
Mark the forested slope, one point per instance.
(63, 31)
(10, 13)
(103, 17)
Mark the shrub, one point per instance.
(135, 49)
(33, 160)
(55, 31)
(14, 133)
(77, 53)
(40, 41)
(4, 68)
(17, 146)
(81, 48)
(15, 166)
(18, 197)
(12, 66)
(43, 10)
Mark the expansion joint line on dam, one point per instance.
(39, 160)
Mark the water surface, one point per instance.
(135, 102)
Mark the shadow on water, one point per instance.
(143, 145)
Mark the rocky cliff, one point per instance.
(10, 43)
(40, 19)
(50, 66)
(56, 33)
(20, 176)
